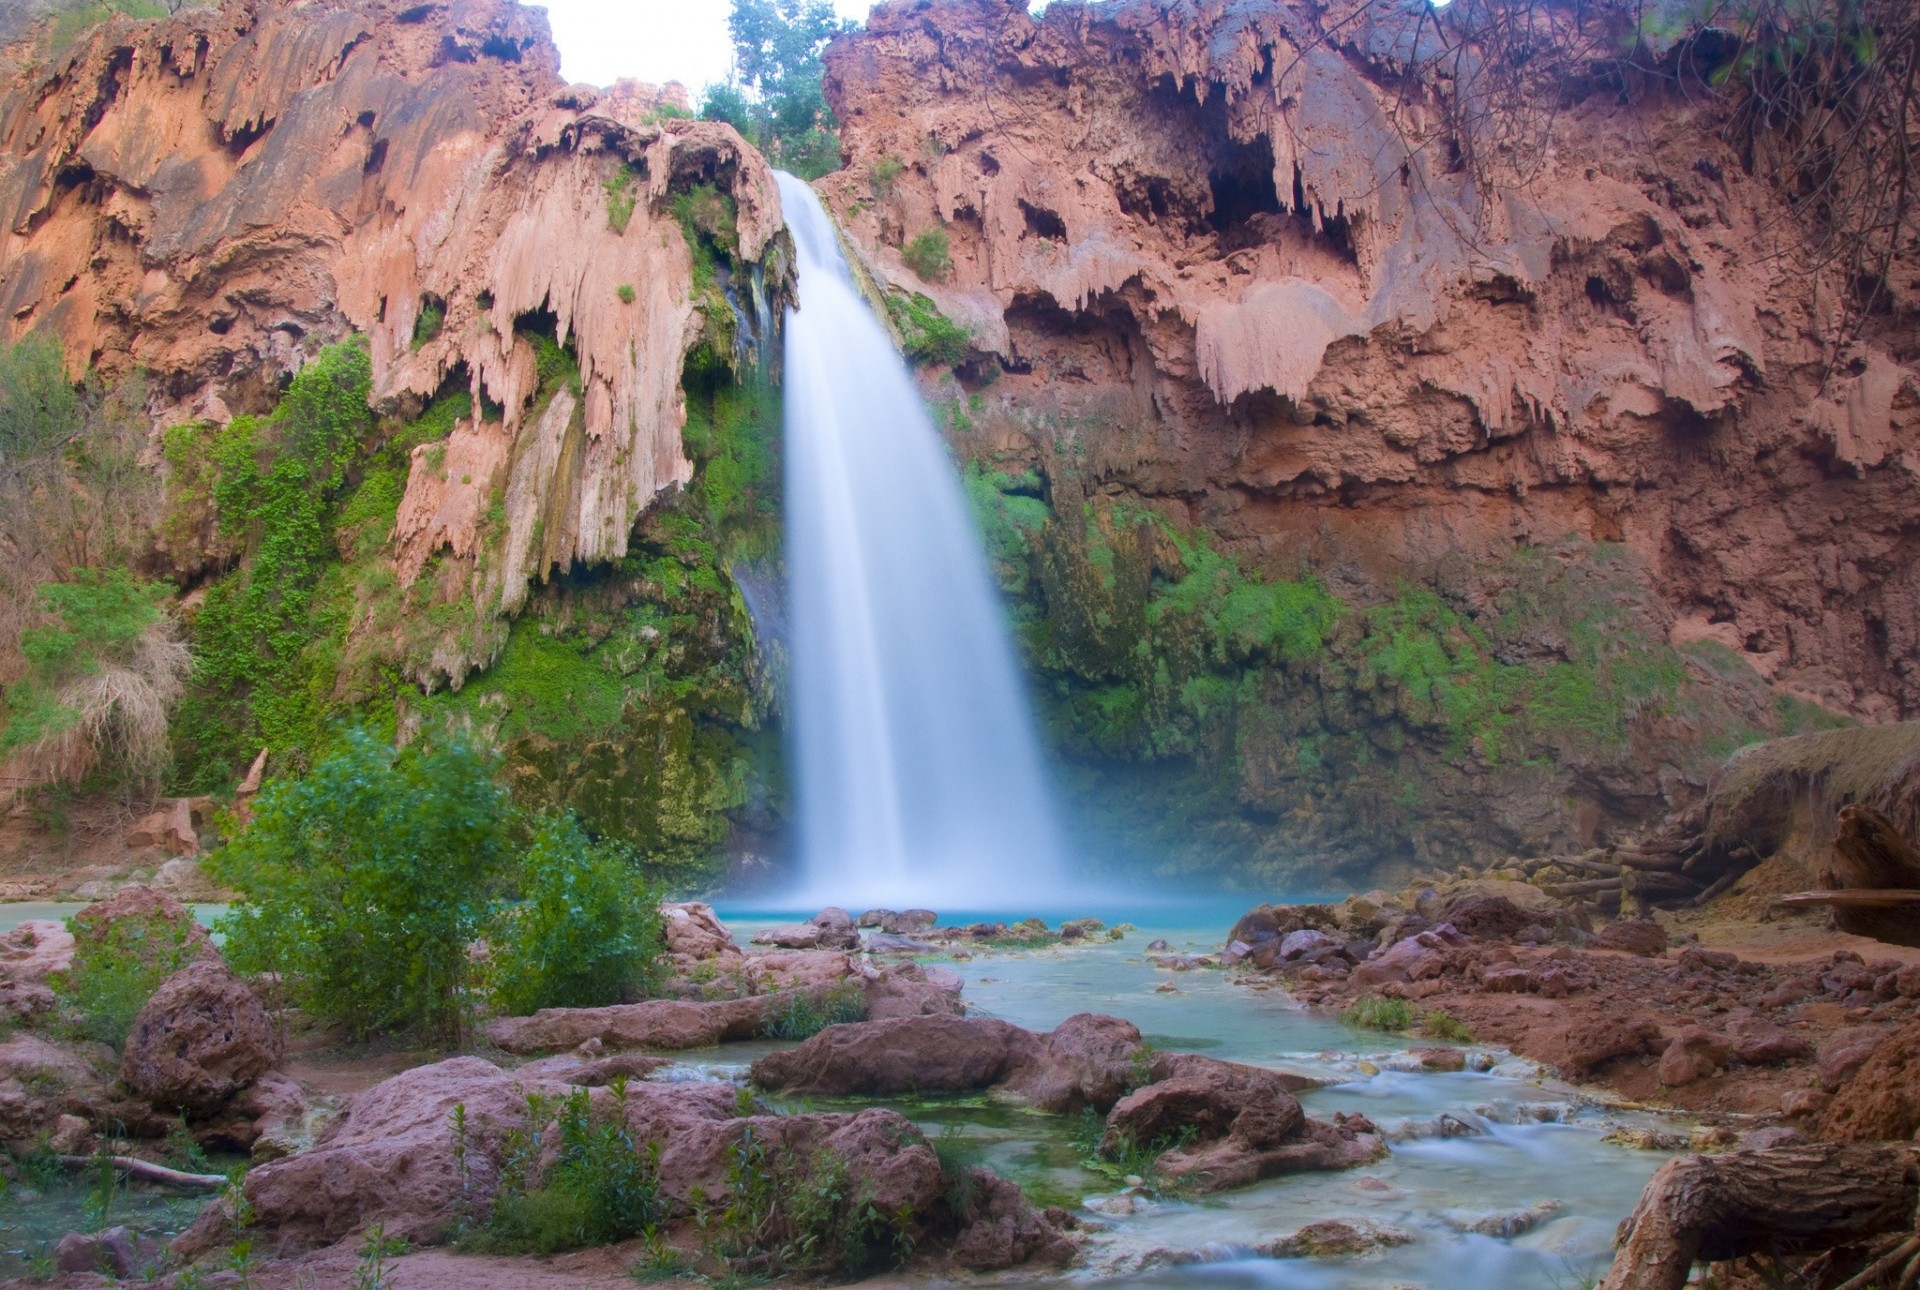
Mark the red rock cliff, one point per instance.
(1230, 252)
(211, 196)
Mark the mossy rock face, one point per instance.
(663, 781)
(1218, 717)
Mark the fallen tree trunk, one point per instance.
(147, 1171)
(1797, 1198)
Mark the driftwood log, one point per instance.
(1797, 1198)
(147, 1171)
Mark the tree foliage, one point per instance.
(367, 879)
(587, 932)
(775, 98)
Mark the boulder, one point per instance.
(830, 929)
(170, 828)
(1485, 917)
(1881, 1100)
(912, 990)
(1087, 1060)
(908, 921)
(1002, 1229)
(1693, 1055)
(1238, 1159)
(939, 1054)
(90, 926)
(695, 931)
(1584, 1043)
(1299, 944)
(116, 1252)
(1757, 1043)
(1271, 922)
(391, 1161)
(39, 1078)
(1209, 1102)
(29, 954)
(186, 881)
(1641, 936)
(1408, 960)
(1845, 1051)
(1333, 1237)
(202, 1037)
(656, 1023)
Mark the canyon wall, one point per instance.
(437, 348)
(1234, 264)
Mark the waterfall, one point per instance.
(917, 771)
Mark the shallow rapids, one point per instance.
(1497, 1177)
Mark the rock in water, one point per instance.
(203, 1037)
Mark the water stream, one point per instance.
(918, 772)
(1523, 1159)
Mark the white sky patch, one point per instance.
(651, 40)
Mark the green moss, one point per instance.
(926, 334)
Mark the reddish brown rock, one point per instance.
(1580, 1046)
(29, 954)
(201, 1038)
(1845, 1052)
(1693, 1055)
(887, 1058)
(1228, 1099)
(1633, 936)
(1881, 1099)
(656, 1023)
(1236, 1160)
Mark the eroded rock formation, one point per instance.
(1236, 262)
(210, 196)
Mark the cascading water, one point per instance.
(918, 772)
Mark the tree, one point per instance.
(776, 99)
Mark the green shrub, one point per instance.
(588, 933)
(1442, 1024)
(427, 325)
(116, 968)
(621, 197)
(929, 254)
(801, 1015)
(883, 174)
(1371, 1012)
(39, 408)
(600, 1186)
(625, 292)
(790, 1214)
(366, 880)
(102, 677)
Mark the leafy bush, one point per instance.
(601, 1186)
(621, 197)
(929, 254)
(427, 324)
(808, 1215)
(366, 881)
(801, 1015)
(589, 932)
(116, 968)
(625, 292)
(39, 408)
(264, 659)
(101, 678)
(1442, 1024)
(1371, 1012)
(883, 174)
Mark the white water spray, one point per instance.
(918, 772)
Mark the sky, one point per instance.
(650, 40)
